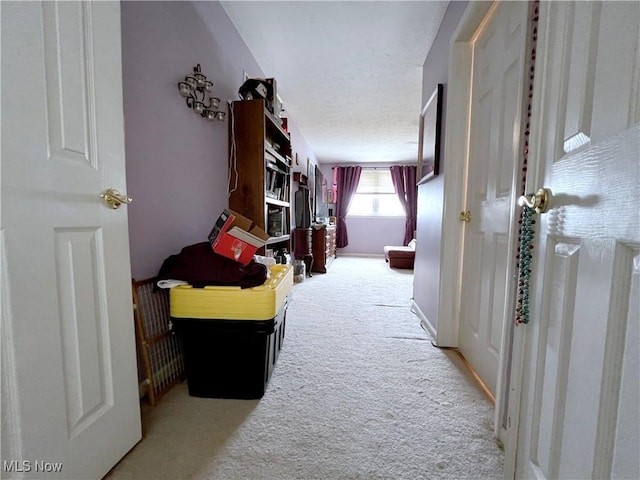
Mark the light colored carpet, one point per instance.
(358, 392)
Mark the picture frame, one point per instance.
(429, 137)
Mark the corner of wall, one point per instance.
(427, 273)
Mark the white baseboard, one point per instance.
(348, 254)
(424, 321)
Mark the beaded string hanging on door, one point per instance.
(524, 263)
(525, 254)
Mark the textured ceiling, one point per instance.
(349, 72)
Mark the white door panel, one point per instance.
(488, 261)
(580, 409)
(72, 368)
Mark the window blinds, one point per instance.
(375, 181)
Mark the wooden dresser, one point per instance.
(324, 247)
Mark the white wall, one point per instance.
(426, 278)
(369, 235)
(177, 161)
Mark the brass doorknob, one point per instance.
(113, 199)
(465, 216)
(539, 201)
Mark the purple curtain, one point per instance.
(347, 184)
(404, 181)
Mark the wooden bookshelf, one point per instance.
(260, 163)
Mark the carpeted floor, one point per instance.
(358, 392)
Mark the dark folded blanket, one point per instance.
(200, 266)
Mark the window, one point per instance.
(376, 196)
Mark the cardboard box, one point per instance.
(236, 237)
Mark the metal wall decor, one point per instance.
(197, 90)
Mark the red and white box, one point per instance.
(236, 237)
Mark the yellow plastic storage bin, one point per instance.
(232, 337)
(234, 303)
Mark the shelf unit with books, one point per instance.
(260, 169)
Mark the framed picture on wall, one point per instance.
(429, 137)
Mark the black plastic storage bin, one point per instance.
(230, 358)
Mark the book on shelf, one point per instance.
(276, 222)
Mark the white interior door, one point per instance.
(70, 405)
(580, 408)
(488, 258)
